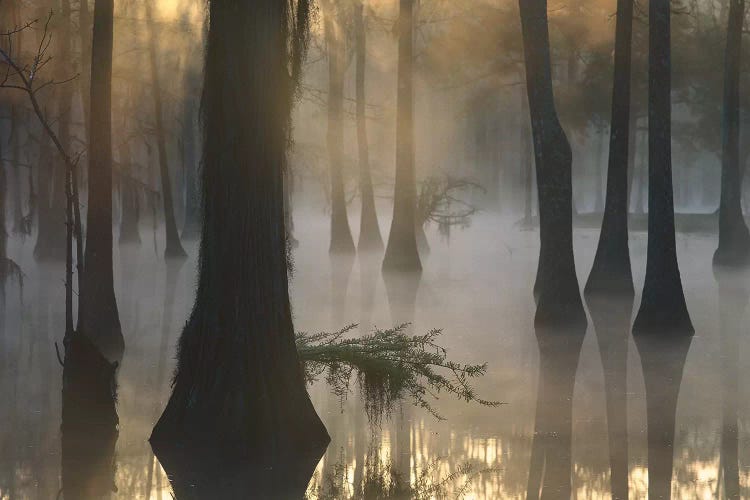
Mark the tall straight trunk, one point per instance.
(369, 230)
(129, 200)
(192, 227)
(734, 238)
(101, 319)
(173, 248)
(85, 34)
(632, 151)
(556, 287)
(17, 194)
(598, 177)
(238, 391)
(401, 253)
(3, 232)
(341, 234)
(525, 155)
(51, 239)
(611, 272)
(663, 309)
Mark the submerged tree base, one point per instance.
(733, 255)
(668, 317)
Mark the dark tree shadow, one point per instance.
(551, 462)
(611, 317)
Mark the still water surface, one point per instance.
(477, 288)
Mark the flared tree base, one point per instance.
(175, 252)
(736, 256)
(401, 260)
(666, 317)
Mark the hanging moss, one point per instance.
(388, 365)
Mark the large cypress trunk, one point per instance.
(369, 230)
(238, 389)
(341, 235)
(663, 309)
(611, 271)
(556, 287)
(734, 238)
(173, 248)
(401, 253)
(101, 320)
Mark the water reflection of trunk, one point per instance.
(401, 289)
(195, 476)
(611, 317)
(662, 361)
(733, 298)
(89, 422)
(341, 270)
(550, 470)
(369, 265)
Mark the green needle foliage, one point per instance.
(388, 365)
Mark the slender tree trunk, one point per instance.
(47, 218)
(734, 238)
(238, 391)
(611, 272)
(85, 34)
(525, 154)
(51, 236)
(598, 177)
(632, 152)
(129, 200)
(17, 194)
(401, 253)
(370, 239)
(341, 235)
(556, 287)
(101, 319)
(663, 309)
(173, 248)
(192, 228)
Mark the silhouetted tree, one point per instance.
(100, 317)
(663, 307)
(173, 248)
(734, 238)
(341, 234)
(369, 230)
(556, 287)
(402, 254)
(611, 270)
(238, 388)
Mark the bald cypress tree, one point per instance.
(99, 314)
(401, 254)
(556, 287)
(663, 309)
(734, 238)
(238, 387)
(611, 271)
